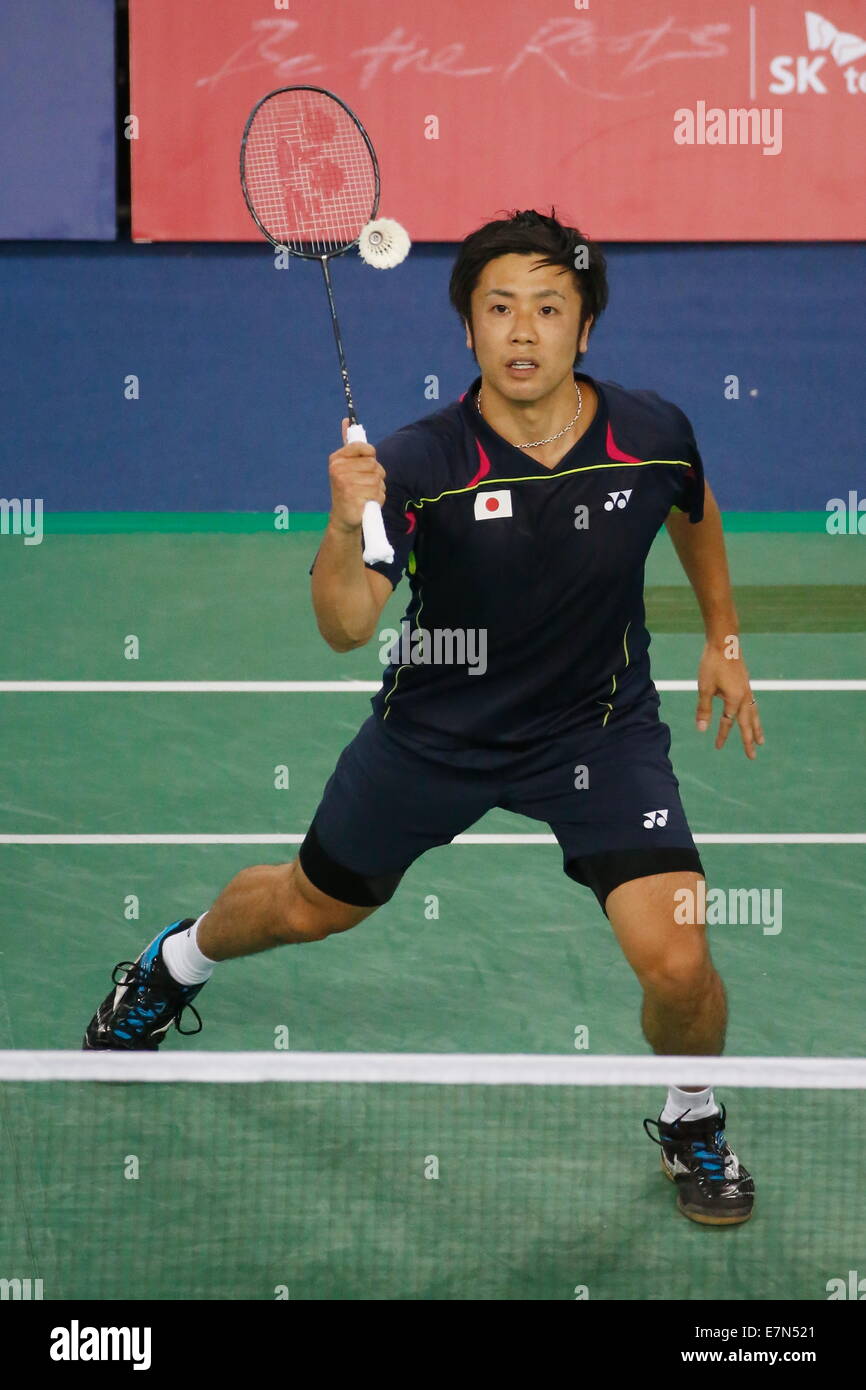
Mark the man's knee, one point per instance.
(670, 958)
(305, 913)
(679, 970)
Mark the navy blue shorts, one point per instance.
(608, 795)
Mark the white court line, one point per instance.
(708, 839)
(189, 687)
(435, 1068)
(323, 687)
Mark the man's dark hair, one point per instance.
(532, 233)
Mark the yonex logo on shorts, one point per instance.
(654, 818)
(492, 504)
(617, 499)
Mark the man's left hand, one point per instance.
(726, 678)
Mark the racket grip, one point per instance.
(376, 544)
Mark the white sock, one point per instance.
(699, 1104)
(185, 962)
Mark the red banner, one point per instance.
(640, 120)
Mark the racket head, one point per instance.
(309, 173)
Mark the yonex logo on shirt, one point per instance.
(492, 504)
(617, 499)
(653, 818)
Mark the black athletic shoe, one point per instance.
(139, 1011)
(713, 1186)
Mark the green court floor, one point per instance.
(329, 1192)
(517, 958)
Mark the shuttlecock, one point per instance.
(383, 243)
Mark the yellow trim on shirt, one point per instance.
(540, 477)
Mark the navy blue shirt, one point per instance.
(526, 615)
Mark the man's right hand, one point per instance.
(356, 477)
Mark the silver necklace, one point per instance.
(538, 442)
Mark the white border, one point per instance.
(436, 1069)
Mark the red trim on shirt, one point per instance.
(614, 452)
(484, 468)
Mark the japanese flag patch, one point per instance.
(492, 504)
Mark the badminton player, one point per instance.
(523, 514)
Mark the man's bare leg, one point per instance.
(272, 905)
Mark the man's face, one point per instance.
(525, 312)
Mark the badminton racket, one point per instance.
(310, 178)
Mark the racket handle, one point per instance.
(376, 544)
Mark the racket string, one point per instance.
(309, 173)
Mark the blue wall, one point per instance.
(57, 117)
(240, 394)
